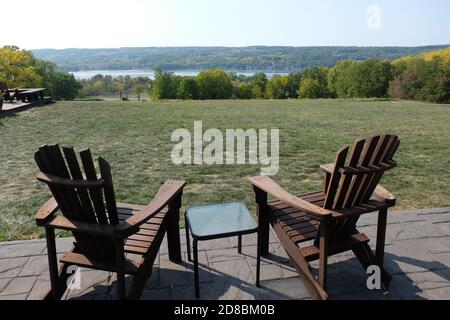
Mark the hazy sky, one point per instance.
(140, 23)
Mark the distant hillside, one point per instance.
(245, 58)
(428, 55)
(444, 54)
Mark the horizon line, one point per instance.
(248, 46)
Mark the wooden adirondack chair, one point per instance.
(328, 218)
(104, 231)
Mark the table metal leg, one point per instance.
(240, 244)
(258, 260)
(197, 286)
(188, 243)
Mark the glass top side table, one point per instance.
(215, 222)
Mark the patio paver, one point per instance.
(417, 253)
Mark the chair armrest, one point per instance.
(47, 210)
(272, 188)
(328, 168)
(106, 230)
(385, 194)
(166, 194)
(57, 181)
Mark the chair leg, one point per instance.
(57, 287)
(379, 253)
(323, 255)
(145, 272)
(365, 255)
(173, 230)
(63, 276)
(120, 265)
(262, 211)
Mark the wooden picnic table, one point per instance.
(30, 94)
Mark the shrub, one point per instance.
(310, 89)
(214, 84)
(188, 89)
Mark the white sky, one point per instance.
(113, 23)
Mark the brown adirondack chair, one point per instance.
(326, 220)
(104, 231)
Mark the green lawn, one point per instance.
(135, 138)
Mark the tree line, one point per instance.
(106, 85)
(20, 69)
(413, 78)
(424, 77)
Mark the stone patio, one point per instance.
(417, 254)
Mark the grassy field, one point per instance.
(135, 138)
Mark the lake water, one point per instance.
(80, 75)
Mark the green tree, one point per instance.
(277, 87)
(310, 89)
(259, 83)
(188, 89)
(339, 79)
(244, 91)
(65, 86)
(294, 80)
(164, 86)
(319, 74)
(17, 68)
(214, 84)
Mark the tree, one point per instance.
(339, 79)
(65, 86)
(164, 86)
(277, 87)
(310, 89)
(370, 78)
(137, 89)
(17, 68)
(259, 84)
(244, 91)
(319, 74)
(188, 89)
(214, 84)
(421, 79)
(294, 80)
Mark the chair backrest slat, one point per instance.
(96, 195)
(377, 143)
(392, 144)
(75, 170)
(354, 183)
(364, 161)
(336, 177)
(57, 167)
(105, 172)
(78, 202)
(356, 153)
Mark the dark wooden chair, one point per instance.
(104, 231)
(326, 220)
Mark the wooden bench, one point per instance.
(30, 95)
